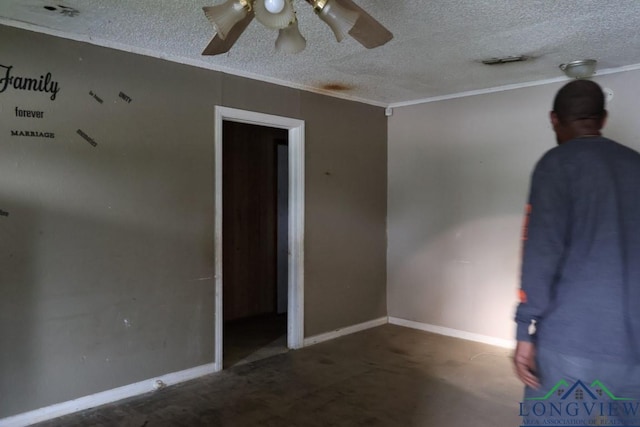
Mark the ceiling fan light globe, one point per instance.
(580, 69)
(290, 40)
(274, 21)
(340, 19)
(274, 6)
(225, 16)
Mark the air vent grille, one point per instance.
(64, 10)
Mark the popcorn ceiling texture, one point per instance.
(436, 51)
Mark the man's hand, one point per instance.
(524, 360)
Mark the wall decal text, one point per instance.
(33, 133)
(96, 97)
(43, 84)
(29, 113)
(3, 213)
(125, 97)
(87, 138)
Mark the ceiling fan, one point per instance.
(232, 17)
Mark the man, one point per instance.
(579, 312)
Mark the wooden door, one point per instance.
(249, 219)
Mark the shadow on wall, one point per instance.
(88, 304)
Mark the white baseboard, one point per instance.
(345, 331)
(104, 397)
(441, 330)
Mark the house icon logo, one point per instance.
(580, 403)
(580, 391)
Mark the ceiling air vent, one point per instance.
(64, 10)
(504, 60)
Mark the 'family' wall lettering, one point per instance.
(43, 84)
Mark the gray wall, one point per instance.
(344, 203)
(106, 262)
(458, 181)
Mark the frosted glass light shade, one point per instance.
(290, 40)
(273, 6)
(275, 21)
(225, 16)
(580, 69)
(340, 19)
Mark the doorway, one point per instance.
(254, 241)
(253, 152)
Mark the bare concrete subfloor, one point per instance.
(387, 376)
(254, 338)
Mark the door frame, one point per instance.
(295, 309)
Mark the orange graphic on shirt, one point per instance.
(525, 226)
(522, 296)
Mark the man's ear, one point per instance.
(554, 119)
(605, 116)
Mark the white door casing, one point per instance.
(295, 316)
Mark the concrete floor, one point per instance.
(254, 338)
(387, 376)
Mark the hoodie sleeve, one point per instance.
(544, 243)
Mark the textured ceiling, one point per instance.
(436, 51)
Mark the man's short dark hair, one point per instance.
(579, 100)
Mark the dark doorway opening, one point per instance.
(255, 241)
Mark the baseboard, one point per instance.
(104, 397)
(441, 330)
(345, 331)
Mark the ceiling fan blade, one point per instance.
(217, 45)
(367, 31)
